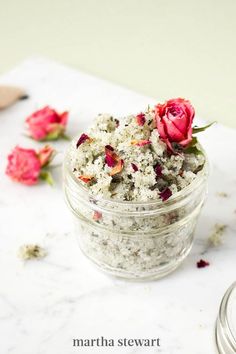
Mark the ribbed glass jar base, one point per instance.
(135, 240)
(155, 273)
(226, 323)
(133, 257)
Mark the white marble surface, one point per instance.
(45, 304)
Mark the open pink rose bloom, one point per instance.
(47, 124)
(174, 121)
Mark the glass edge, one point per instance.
(222, 319)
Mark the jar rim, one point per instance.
(223, 321)
(157, 203)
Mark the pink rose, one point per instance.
(25, 165)
(47, 124)
(174, 122)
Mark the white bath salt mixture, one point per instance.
(146, 168)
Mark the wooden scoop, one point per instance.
(10, 94)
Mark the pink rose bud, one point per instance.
(47, 124)
(25, 165)
(174, 122)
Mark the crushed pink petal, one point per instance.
(117, 122)
(140, 142)
(118, 168)
(202, 264)
(82, 139)
(97, 215)
(85, 178)
(158, 170)
(165, 194)
(140, 119)
(135, 167)
(111, 157)
(109, 147)
(110, 160)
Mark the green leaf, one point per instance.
(193, 142)
(192, 147)
(201, 129)
(65, 137)
(47, 177)
(52, 136)
(193, 150)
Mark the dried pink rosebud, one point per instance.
(82, 139)
(140, 142)
(47, 124)
(165, 194)
(135, 167)
(202, 264)
(140, 119)
(158, 170)
(25, 165)
(174, 122)
(109, 147)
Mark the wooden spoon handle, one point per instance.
(9, 95)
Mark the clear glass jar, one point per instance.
(133, 240)
(226, 323)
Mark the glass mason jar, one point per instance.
(226, 323)
(144, 240)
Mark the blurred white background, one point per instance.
(162, 48)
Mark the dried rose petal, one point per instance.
(109, 147)
(118, 168)
(140, 119)
(85, 178)
(165, 194)
(140, 142)
(110, 161)
(202, 263)
(82, 139)
(158, 170)
(111, 157)
(117, 122)
(135, 167)
(97, 215)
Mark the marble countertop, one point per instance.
(45, 304)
